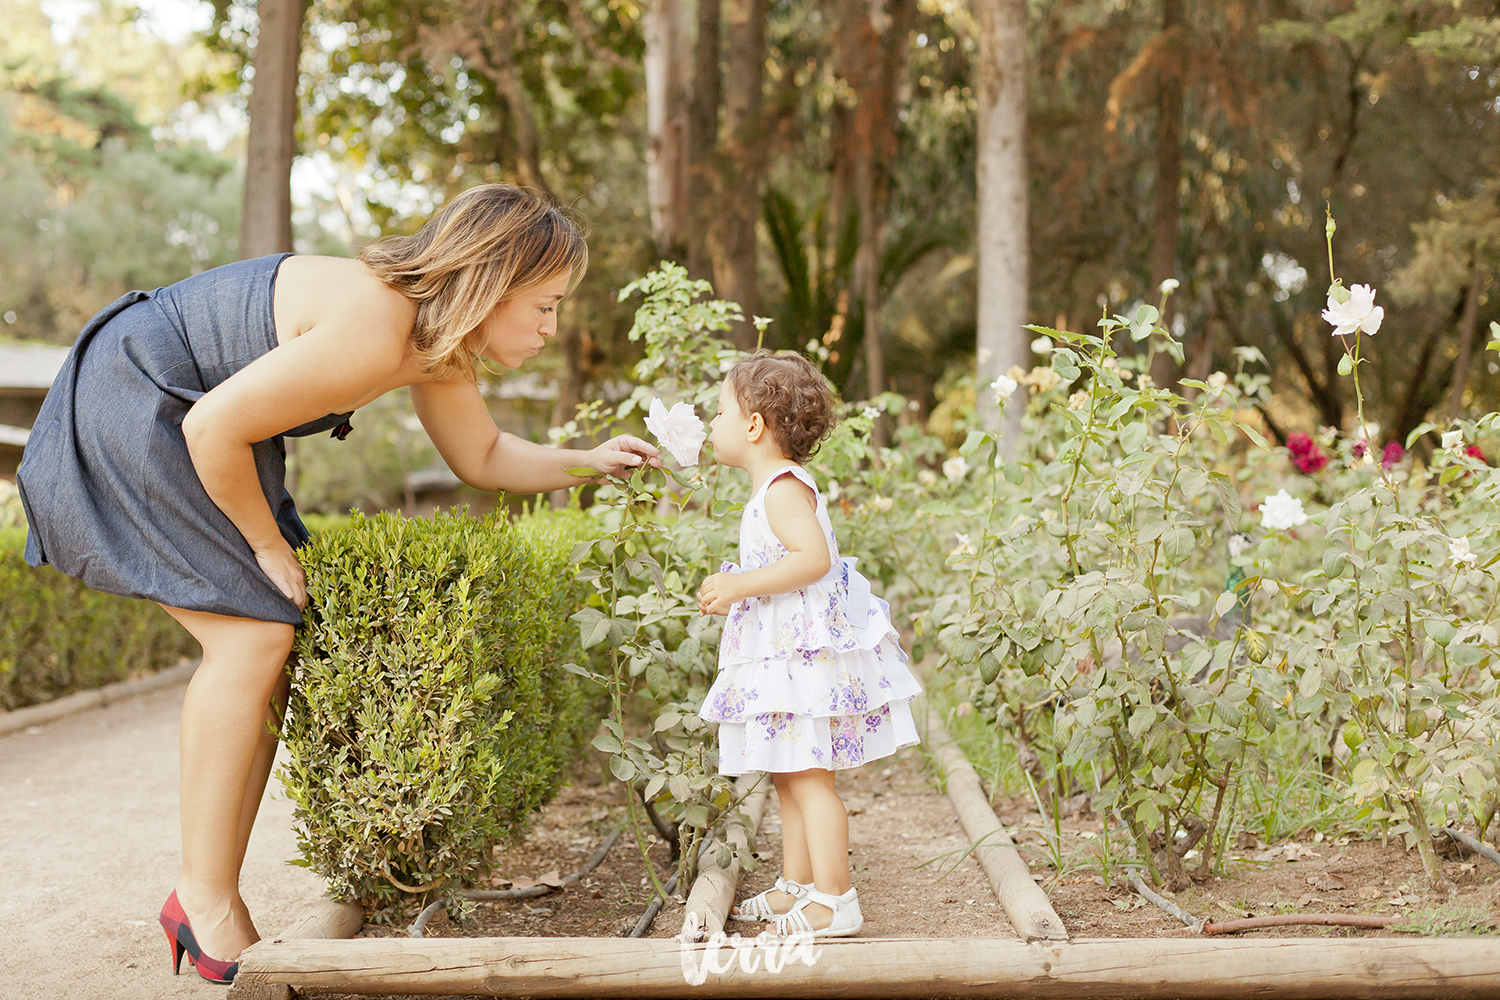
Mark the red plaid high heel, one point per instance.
(180, 933)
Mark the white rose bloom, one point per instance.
(927, 478)
(870, 412)
(1358, 315)
(1281, 511)
(955, 468)
(1170, 285)
(1004, 387)
(1218, 380)
(833, 489)
(678, 430)
(1452, 439)
(1458, 552)
(881, 505)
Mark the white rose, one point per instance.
(678, 430)
(1218, 380)
(881, 505)
(1452, 439)
(1358, 314)
(1169, 286)
(1281, 511)
(870, 412)
(1458, 552)
(1004, 387)
(955, 468)
(927, 478)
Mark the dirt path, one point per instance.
(89, 849)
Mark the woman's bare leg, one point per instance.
(226, 757)
(825, 825)
(260, 765)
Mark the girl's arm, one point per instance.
(460, 426)
(792, 513)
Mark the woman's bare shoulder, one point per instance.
(314, 291)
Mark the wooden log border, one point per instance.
(1028, 908)
(1280, 968)
(713, 891)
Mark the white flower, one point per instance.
(880, 505)
(927, 478)
(678, 430)
(1458, 552)
(833, 489)
(1004, 387)
(1281, 511)
(870, 412)
(1170, 285)
(1358, 314)
(1041, 345)
(1217, 380)
(963, 548)
(1452, 439)
(955, 468)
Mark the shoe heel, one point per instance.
(177, 950)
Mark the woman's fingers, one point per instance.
(285, 571)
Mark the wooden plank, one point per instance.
(713, 891)
(1027, 906)
(1186, 968)
(327, 918)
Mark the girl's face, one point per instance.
(727, 428)
(518, 328)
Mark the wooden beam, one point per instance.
(713, 891)
(1280, 968)
(327, 918)
(1027, 906)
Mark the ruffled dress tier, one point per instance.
(815, 678)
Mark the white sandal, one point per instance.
(847, 920)
(758, 907)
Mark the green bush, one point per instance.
(58, 636)
(431, 708)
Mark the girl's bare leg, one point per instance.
(825, 827)
(226, 757)
(795, 862)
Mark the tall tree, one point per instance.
(742, 160)
(266, 225)
(667, 64)
(1002, 181)
(703, 138)
(1170, 55)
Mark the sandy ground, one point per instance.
(89, 850)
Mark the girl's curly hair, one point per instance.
(792, 397)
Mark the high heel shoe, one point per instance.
(180, 935)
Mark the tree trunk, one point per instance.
(744, 160)
(702, 140)
(1004, 245)
(666, 31)
(1168, 172)
(266, 221)
(501, 69)
(1467, 327)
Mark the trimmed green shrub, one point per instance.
(431, 710)
(58, 636)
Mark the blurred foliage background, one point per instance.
(123, 131)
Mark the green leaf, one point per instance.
(1229, 496)
(1177, 545)
(622, 768)
(605, 743)
(1014, 474)
(584, 472)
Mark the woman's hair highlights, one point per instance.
(792, 397)
(489, 244)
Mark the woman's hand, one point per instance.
(618, 456)
(284, 569)
(718, 594)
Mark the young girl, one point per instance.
(811, 678)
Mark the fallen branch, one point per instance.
(1458, 836)
(1290, 920)
(420, 924)
(1193, 923)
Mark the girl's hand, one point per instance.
(282, 566)
(718, 594)
(618, 456)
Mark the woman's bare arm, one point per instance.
(479, 453)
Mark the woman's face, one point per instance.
(518, 328)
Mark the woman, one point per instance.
(156, 467)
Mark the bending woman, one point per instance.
(156, 468)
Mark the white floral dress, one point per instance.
(811, 678)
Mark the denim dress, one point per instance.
(110, 491)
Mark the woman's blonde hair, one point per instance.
(490, 244)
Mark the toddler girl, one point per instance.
(811, 678)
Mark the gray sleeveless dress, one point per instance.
(109, 489)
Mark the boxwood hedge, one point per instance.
(58, 636)
(431, 712)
